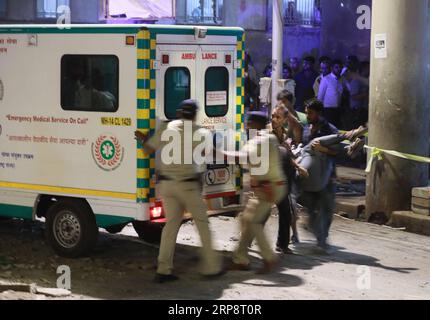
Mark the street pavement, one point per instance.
(365, 262)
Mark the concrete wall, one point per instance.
(298, 42)
(301, 42)
(337, 37)
(340, 35)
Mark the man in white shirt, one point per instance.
(330, 93)
(325, 69)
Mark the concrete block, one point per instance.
(421, 202)
(421, 210)
(19, 287)
(53, 292)
(412, 222)
(423, 193)
(351, 206)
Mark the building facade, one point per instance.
(311, 27)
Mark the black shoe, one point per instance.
(324, 247)
(161, 278)
(295, 239)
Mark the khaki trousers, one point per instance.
(179, 197)
(253, 219)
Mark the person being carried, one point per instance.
(322, 143)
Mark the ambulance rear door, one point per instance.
(205, 73)
(216, 92)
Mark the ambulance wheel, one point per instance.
(71, 228)
(149, 231)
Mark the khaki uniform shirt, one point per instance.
(183, 166)
(253, 148)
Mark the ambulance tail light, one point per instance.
(156, 212)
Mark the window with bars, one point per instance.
(302, 12)
(202, 12)
(48, 8)
(3, 8)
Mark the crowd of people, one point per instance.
(342, 87)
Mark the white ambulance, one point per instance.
(70, 101)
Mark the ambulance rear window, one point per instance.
(216, 91)
(177, 88)
(90, 83)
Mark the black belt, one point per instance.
(165, 178)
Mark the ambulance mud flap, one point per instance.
(116, 228)
(149, 231)
(71, 228)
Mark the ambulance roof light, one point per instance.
(200, 33)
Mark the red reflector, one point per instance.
(165, 59)
(156, 212)
(227, 58)
(129, 40)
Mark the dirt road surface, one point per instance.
(365, 262)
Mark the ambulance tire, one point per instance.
(149, 231)
(71, 228)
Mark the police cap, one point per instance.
(188, 108)
(258, 117)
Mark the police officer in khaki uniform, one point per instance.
(268, 186)
(181, 191)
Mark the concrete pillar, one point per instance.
(399, 109)
(277, 46)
